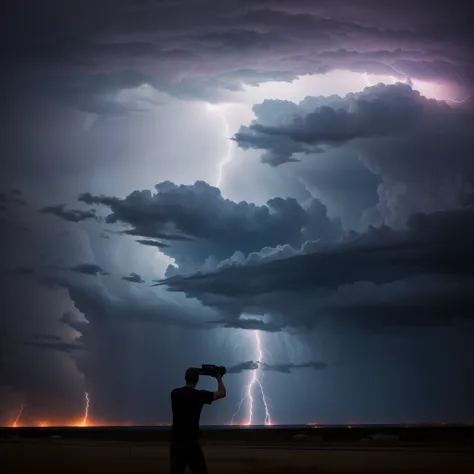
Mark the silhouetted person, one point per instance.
(187, 403)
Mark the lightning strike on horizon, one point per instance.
(18, 416)
(256, 379)
(86, 408)
(228, 155)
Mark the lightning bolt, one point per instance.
(221, 109)
(86, 408)
(459, 101)
(18, 416)
(255, 380)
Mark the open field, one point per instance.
(71, 454)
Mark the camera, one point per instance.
(212, 370)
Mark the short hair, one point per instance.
(191, 375)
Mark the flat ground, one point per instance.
(69, 456)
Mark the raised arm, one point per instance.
(221, 391)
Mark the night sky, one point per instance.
(282, 187)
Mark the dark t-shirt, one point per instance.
(186, 403)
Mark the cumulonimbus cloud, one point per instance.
(365, 275)
(185, 216)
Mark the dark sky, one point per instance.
(282, 187)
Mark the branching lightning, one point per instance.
(86, 408)
(221, 109)
(255, 380)
(18, 416)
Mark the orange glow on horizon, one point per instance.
(80, 424)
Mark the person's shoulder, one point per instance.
(176, 391)
(206, 396)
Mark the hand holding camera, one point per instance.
(217, 371)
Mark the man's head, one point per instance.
(191, 376)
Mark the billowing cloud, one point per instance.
(379, 111)
(413, 144)
(210, 228)
(351, 276)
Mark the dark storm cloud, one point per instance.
(379, 111)
(134, 278)
(280, 368)
(92, 56)
(88, 269)
(70, 215)
(381, 276)
(216, 226)
(195, 49)
(152, 243)
(416, 153)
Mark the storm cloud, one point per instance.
(379, 111)
(188, 49)
(345, 275)
(351, 242)
(419, 148)
(189, 213)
